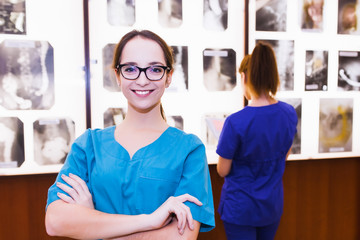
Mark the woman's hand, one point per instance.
(79, 191)
(175, 207)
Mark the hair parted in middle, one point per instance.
(146, 34)
(263, 71)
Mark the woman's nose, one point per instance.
(142, 79)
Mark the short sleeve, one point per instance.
(75, 163)
(195, 180)
(228, 141)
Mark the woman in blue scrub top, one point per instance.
(252, 148)
(141, 178)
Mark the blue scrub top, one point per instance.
(257, 139)
(172, 165)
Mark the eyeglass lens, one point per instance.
(133, 72)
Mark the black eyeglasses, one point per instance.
(132, 72)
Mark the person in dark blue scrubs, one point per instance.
(252, 148)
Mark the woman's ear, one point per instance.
(243, 77)
(168, 78)
(117, 76)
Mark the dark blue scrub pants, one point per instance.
(239, 232)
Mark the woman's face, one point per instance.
(143, 94)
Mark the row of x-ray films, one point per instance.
(28, 78)
(317, 51)
(41, 76)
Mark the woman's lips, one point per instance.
(142, 93)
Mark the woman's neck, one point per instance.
(262, 100)
(144, 120)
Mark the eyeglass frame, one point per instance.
(119, 66)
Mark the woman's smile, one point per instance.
(142, 93)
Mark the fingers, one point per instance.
(72, 181)
(187, 217)
(187, 197)
(77, 190)
(80, 182)
(65, 198)
(182, 217)
(182, 212)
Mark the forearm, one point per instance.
(75, 221)
(168, 232)
(224, 166)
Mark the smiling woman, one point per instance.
(141, 172)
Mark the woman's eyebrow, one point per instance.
(130, 63)
(156, 63)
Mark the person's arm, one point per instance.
(223, 166)
(288, 153)
(168, 232)
(89, 223)
(76, 221)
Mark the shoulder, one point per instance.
(94, 135)
(246, 112)
(239, 118)
(289, 110)
(182, 138)
(287, 107)
(182, 141)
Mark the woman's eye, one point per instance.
(156, 69)
(130, 69)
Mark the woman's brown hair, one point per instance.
(244, 65)
(263, 71)
(168, 54)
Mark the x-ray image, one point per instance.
(113, 116)
(312, 15)
(121, 12)
(11, 142)
(52, 140)
(216, 15)
(349, 71)
(316, 71)
(335, 126)
(271, 15)
(109, 78)
(26, 75)
(170, 13)
(12, 17)
(284, 52)
(219, 69)
(348, 17)
(297, 104)
(214, 124)
(179, 80)
(175, 121)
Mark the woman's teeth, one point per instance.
(142, 92)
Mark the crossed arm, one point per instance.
(74, 216)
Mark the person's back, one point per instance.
(252, 148)
(265, 135)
